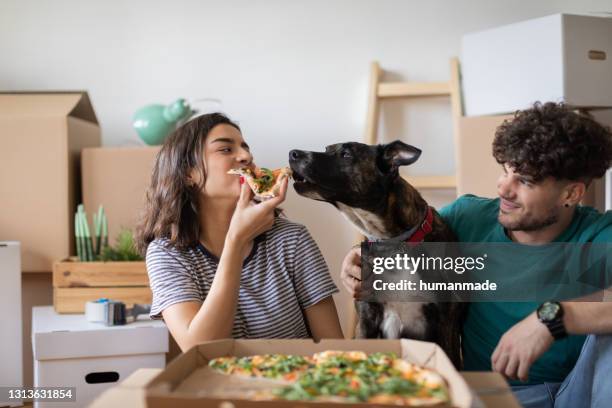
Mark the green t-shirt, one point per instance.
(474, 219)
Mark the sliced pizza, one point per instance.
(342, 376)
(264, 182)
(272, 366)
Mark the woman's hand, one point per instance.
(251, 219)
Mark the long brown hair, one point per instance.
(171, 204)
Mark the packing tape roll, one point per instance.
(95, 311)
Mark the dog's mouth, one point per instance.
(298, 178)
(303, 183)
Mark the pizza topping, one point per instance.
(264, 182)
(275, 366)
(350, 376)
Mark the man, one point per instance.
(549, 156)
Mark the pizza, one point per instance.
(264, 182)
(272, 366)
(341, 376)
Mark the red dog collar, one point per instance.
(416, 234)
(425, 228)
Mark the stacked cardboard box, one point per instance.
(41, 137)
(554, 58)
(117, 178)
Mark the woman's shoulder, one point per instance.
(285, 229)
(163, 248)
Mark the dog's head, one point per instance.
(354, 174)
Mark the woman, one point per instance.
(219, 264)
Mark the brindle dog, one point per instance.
(363, 182)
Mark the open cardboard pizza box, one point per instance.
(188, 382)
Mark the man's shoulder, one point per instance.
(594, 225)
(471, 218)
(470, 205)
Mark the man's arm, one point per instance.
(587, 317)
(527, 340)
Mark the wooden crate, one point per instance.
(75, 283)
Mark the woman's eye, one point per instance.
(226, 150)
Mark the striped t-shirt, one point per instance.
(284, 274)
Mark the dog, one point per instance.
(364, 184)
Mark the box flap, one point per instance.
(120, 397)
(140, 378)
(431, 355)
(491, 388)
(47, 104)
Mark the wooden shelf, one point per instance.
(411, 89)
(432, 182)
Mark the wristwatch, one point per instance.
(551, 315)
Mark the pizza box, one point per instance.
(188, 382)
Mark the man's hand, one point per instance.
(520, 347)
(351, 271)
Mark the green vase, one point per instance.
(154, 123)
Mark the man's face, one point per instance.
(526, 205)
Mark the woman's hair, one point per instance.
(171, 204)
(551, 140)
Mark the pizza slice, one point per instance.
(264, 182)
(272, 366)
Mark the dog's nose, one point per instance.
(295, 154)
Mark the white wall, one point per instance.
(294, 74)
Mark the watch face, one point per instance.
(548, 311)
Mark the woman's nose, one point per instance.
(245, 157)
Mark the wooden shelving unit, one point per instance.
(381, 90)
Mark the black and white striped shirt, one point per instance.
(283, 275)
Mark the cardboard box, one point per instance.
(11, 354)
(75, 283)
(608, 193)
(69, 351)
(556, 58)
(41, 137)
(129, 393)
(477, 170)
(117, 178)
(188, 382)
(603, 196)
(491, 390)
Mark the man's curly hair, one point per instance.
(551, 140)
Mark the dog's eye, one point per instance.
(345, 154)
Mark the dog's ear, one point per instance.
(395, 154)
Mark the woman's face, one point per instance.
(224, 149)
